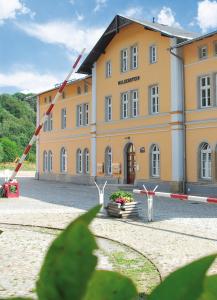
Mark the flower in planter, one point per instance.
(121, 197)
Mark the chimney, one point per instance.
(153, 20)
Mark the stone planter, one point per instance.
(128, 210)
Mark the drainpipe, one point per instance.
(184, 120)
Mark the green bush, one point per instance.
(1, 153)
(69, 273)
(10, 150)
(121, 194)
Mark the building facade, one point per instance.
(145, 113)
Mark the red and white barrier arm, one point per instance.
(45, 117)
(177, 196)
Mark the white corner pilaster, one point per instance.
(37, 140)
(93, 122)
(177, 129)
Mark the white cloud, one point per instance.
(80, 17)
(10, 8)
(207, 15)
(167, 17)
(29, 81)
(69, 35)
(99, 4)
(134, 12)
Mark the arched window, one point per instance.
(205, 161)
(45, 161)
(155, 161)
(63, 160)
(79, 161)
(86, 161)
(108, 161)
(50, 161)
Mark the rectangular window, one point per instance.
(108, 69)
(78, 90)
(63, 95)
(203, 52)
(124, 102)
(80, 119)
(86, 114)
(50, 122)
(205, 91)
(45, 99)
(134, 101)
(153, 54)
(85, 87)
(134, 57)
(50, 99)
(108, 108)
(215, 48)
(154, 99)
(63, 118)
(124, 60)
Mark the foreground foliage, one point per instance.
(69, 273)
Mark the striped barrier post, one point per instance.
(183, 197)
(45, 117)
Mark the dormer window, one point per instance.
(203, 52)
(78, 90)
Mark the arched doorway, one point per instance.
(130, 158)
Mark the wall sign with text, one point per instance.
(128, 80)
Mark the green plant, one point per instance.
(69, 273)
(13, 188)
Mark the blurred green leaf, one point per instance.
(210, 288)
(69, 262)
(107, 285)
(185, 283)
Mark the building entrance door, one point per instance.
(131, 164)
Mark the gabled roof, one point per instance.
(201, 37)
(119, 22)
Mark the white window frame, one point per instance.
(135, 103)
(63, 160)
(205, 91)
(50, 161)
(134, 57)
(86, 112)
(153, 54)
(79, 161)
(63, 118)
(108, 69)
(203, 52)
(80, 115)
(154, 99)
(155, 161)
(205, 162)
(87, 161)
(124, 105)
(45, 161)
(108, 108)
(124, 60)
(108, 162)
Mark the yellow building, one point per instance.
(145, 113)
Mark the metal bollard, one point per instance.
(101, 196)
(150, 204)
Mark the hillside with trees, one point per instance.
(17, 124)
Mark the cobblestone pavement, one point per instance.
(182, 231)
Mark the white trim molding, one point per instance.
(177, 130)
(93, 122)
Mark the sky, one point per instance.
(40, 39)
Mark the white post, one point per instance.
(150, 204)
(101, 196)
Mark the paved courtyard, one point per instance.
(181, 232)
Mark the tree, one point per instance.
(10, 149)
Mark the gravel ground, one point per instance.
(181, 232)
